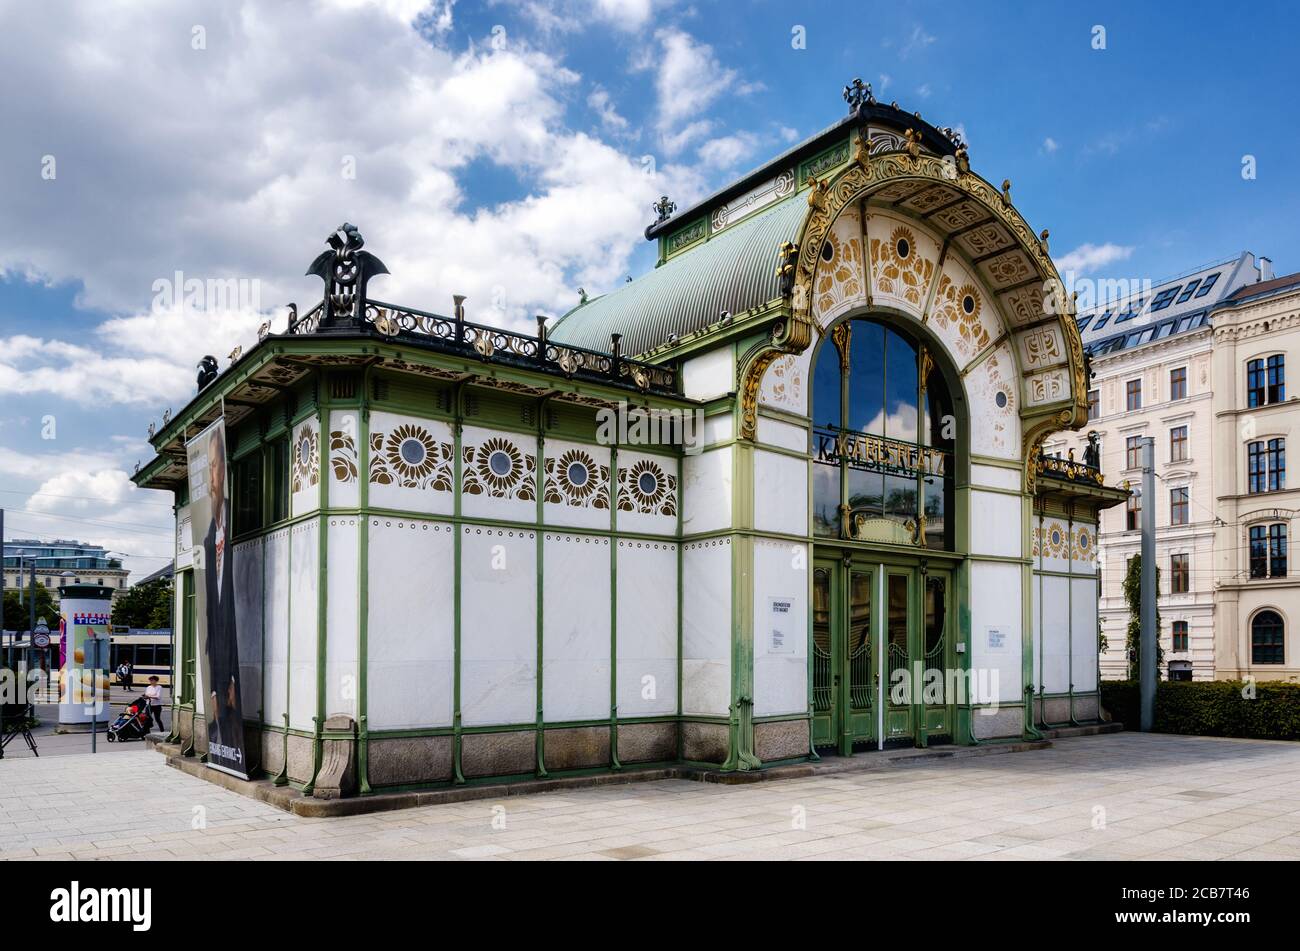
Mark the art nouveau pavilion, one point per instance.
(446, 575)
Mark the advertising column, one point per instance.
(214, 595)
(84, 611)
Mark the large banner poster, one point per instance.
(214, 593)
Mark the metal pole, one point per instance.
(31, 617)
(1147, 616)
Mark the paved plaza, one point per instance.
(1123, 796)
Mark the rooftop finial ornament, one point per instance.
(345, 269)
(858, 94)
(663, 208)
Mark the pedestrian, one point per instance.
(154, 694)
(122, 672)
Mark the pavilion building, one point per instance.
(462, 553)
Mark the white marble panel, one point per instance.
(780, 493)
(786, 382)
(997, 477)
(706, 627)
(498, 626)
(780, 627)
(710, 374)
(1054, 672)
(576, 616)
(342, 621)
(304, 610)
(777, 432)
(706, 491)
(996, 626)
(410, 630)
(995, 524)
(1083, 646)
(277, 627)
(647, 628)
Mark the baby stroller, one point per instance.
(132, 723)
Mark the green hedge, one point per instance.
(1210, 708)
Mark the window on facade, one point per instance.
(247, 490)
(1266, 465)
(1133, 390)
(1133, 513)
(1266, 632)
(1178, 506)
(1178, 444)
(1165, 298)
(1187, 292)
(1133, 452)
(1268, 551)
(1209, 283)
(1180, 635)
(1179, 580)
(883, 449)
(1178, 383)
(1266, 380)
(1094, 404)
(279, 480)
(1101, 321)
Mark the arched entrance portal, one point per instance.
(887, 451)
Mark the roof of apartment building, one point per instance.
(1175, 305)
(1263, 289)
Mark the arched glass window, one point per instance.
(1266, 633)
(883, 439)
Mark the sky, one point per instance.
(510, 150)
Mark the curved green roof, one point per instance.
(732, 271)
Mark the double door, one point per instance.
(882, 658)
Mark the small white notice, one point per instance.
(996, 640)
(780, 617)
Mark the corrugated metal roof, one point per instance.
(732, 271)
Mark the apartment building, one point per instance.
(1152, 357)
(1257, 595)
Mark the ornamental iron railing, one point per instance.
(346, 309)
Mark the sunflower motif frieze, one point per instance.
(575, 478)
(343, 456)
(646, 488)
(306, 457)
(498, 469)
(409, 456)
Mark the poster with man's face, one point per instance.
(214, 591)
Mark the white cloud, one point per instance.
(228, 162)
(688, 80)
(625, 14)
(725, 152)
(923, 90)
(601, 103)
(1091, 257)
(917, 41)
(1050, 145)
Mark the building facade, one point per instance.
(468, 551)
(1154, 356)
(90, 564)
(1257, 595)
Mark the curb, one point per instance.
(293, 801)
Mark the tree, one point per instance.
(1133, 642)
(17, 616)
(145, 605)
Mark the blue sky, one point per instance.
(509, 150)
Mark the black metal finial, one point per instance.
(858, 94)
(664, 208)
(345, 269)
